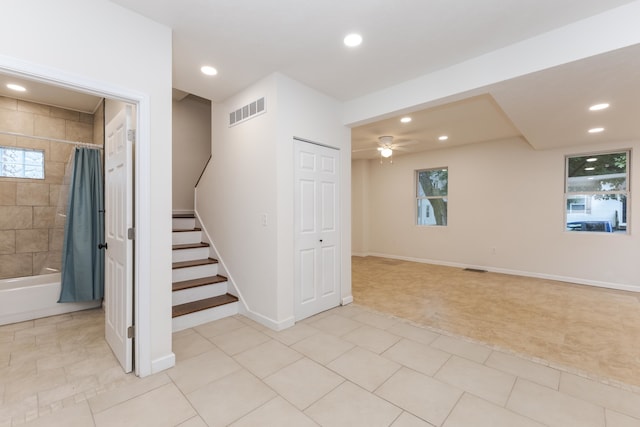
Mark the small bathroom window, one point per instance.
(18, 162)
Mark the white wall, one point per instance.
(191, 147)
(502, 195)
(97, 44)
(359, 206)
(251, 174)
(237, 188)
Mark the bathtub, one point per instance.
(27, 298)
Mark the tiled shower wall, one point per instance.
(30, 234)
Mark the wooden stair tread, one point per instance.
(194, 283)
(186, 230)
(194, 263)
(204, 304)
(190, 246)
(184, 215)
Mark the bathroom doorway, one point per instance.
(61, 86)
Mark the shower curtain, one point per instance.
(82, 260)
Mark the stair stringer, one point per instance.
(243, 307)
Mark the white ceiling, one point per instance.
(403, 39)
(249, 39)
(43, 93)
(549, 109)
(474, 119)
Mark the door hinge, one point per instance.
(131, 332)
(131, 233)
(131, 135)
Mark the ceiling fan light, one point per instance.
(386, 152)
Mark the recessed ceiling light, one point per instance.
(405, 119)
(596, 130)
(598, 107)
(589, 169)
(443, 138)
(592, 159)
(353, 40)
(16, 87)
(208, 70)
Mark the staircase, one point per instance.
(199, 292)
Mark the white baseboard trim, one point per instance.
(576, 280)
(163, 363)
(347, 300)
(360, 254)
(263, 320)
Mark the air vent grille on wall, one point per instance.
(247, 112)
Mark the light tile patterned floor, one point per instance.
(586, 328)
(346, 367)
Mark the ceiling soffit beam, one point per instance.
(614, 29)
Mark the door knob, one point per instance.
(100, 246)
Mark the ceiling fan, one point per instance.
(386, 146)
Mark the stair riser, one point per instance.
(190, 254)
(189, 273)
(183, 222)
(201, 292)
(185, 237)
(198, 318)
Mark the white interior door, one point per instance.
(316, 222)
(119, 254)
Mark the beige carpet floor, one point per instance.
(590, 329)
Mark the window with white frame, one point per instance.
(16, 162)
(597, 192)
(432, 186)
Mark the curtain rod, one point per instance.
(85, 144)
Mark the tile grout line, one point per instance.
(506, 405)
(442, 366)
(283, 397)
(457, 403)
(186, 399)
(256, 408)
(415, 372)
(398, 417)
